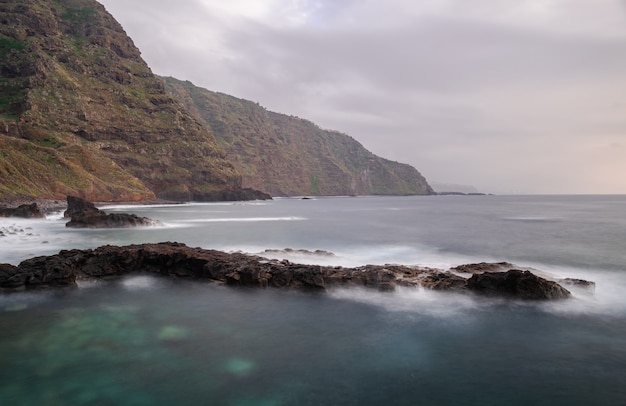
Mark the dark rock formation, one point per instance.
(177, 260)
(516, 283)
(84, 214)
(11, 277)
(77, 206)
(438, 280)
(24, 210)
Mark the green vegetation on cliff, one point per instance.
(288, 156)
(81, 113)
(69, 72)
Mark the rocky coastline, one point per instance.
(69, 268)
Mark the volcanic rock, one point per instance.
(24, 210)
(84, 214)
(516, 283)
(237, 269)
(482, 267)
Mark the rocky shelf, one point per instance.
(70, 267)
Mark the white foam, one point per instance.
(414, 300)
(55, 216)
(140, 282)
(607, 298)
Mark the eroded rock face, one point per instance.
(84, 214)
(237, 269)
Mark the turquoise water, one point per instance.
(150, 341)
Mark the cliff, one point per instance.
(81, 113)
(286, 156)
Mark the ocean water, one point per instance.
(145, 340)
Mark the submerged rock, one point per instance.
(237, 269)
(84, 214)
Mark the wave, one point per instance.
(245, 219)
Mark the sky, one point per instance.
(508, 96)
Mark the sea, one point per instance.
(145, 340)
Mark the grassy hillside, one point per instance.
(73, 84)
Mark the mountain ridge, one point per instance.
(265, 146)
(81, 113)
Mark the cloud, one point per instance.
(505, 95)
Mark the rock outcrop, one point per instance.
(482, 267)
(84, 214)
(28, 210)
(177, 260)
(516, 283)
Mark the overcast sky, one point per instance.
(510, 96)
